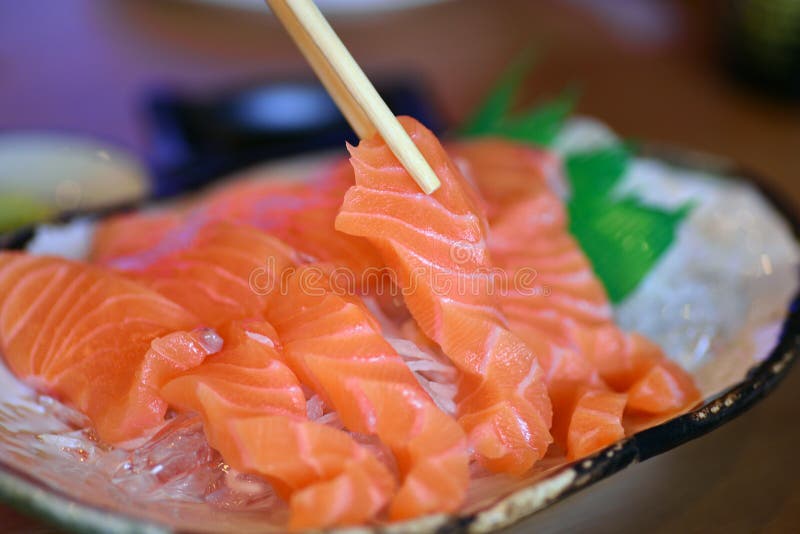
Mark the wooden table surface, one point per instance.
(83, 66)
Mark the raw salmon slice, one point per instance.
(665, 388)
(505, 172)
(254, 413)
(227, 273)
(247, 374)
(340, 482)
(633, 364)
(532, 235)
(529, 237)
(334, 346)
(252, 245)
(595, 422)
(567, 373)
(245, 249)
(132, 234)
(564, 305)
(95, 340)
(436, 247)
(302, 215)
(168, 356)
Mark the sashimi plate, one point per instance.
(735, 325)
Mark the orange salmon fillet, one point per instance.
(131, 234)
(225, 274)
(595, 422)
(564, 306)
(430, 446)
(436, 246)
(87, 337)
(334, 346)
(254, 413)
(299, 213)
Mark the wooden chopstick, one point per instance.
(349, 87)
(352, 112)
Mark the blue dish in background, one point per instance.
(198, 138)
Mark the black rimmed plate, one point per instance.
(87, 505)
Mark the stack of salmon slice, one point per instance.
(245, 304)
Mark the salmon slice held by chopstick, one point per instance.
(436, 247)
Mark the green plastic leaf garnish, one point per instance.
(541, 125)
(501, 98)
(622, 237)
(595, 173)
(538, 125)
(17, 211)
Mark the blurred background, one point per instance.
(138, 88)
(721, 76)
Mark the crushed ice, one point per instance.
(176, 463)
(731, 269)
(729, 276)
(211, 341)
(436, 375)
(72, 241)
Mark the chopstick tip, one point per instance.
(430, 188)
(424, 175)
